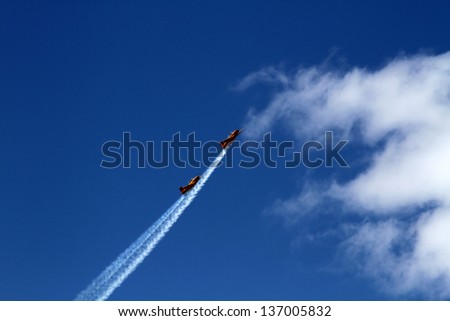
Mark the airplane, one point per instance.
(193, 181)
(227, 141)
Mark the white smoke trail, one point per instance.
(102, 280)
(114, 275)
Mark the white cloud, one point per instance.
(308, 200)
(405, 258)
(404, 107)
(267, 75)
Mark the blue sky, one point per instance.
(75, 75)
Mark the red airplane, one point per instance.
(227, 141)
(184, 189)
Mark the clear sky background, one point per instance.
(74, 75)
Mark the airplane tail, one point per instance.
(223, 144)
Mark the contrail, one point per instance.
(103, 280)
(114, 275)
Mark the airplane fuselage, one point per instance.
(188, 187)
(227, 141)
